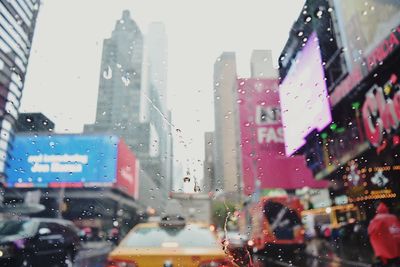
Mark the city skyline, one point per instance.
(192, 50)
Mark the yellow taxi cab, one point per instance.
(169, 243)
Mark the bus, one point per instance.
(316, 221)
(274, 224)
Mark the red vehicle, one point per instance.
(276, 223)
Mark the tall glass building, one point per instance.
(17, 23)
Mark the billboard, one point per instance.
(127, 171)
(375, 181)
(304, 97)
(364, 25)
(262, 140)
(54, 161)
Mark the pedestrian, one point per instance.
(384, 234)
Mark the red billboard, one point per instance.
(127, 171)
(262, 140)
(363, 25)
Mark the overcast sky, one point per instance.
(64, 68)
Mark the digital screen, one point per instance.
(304, 97)
(62, 160)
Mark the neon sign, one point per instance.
(369, 182)
(381, 111)
(384, 49)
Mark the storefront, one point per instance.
(359, 152)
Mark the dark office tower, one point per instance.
(120, 76)
(119, 96)
(17, 23)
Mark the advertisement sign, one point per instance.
(381, 114)
(69, 161)
(304, 97)
(62, 160)
(364, 25)
(262, 141)
(369, 181)
(369, 122)
(127, 171)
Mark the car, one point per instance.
(275, 225)
(170, 242)
(32, 242)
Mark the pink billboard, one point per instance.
(262, 140)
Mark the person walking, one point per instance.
(384, 234)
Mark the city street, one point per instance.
(319, 253)
(93, 254)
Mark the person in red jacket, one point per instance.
(384, 234)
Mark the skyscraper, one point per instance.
(17, 24)
(226, 141)
(156, 40)
(131, 99)
(261, 65)
(209, 181)
(120, 77)
(154, 101)
(119, 95)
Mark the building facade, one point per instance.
(17, 21)
(209, 181)
(118, 103)
(131, 99)
(34, 122)
(358, 151)
(154, 100)
(261, 65)
(226, 157)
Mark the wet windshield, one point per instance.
(273, 124)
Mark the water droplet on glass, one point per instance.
(107, 74)
(125, 80)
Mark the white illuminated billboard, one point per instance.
(304, 97)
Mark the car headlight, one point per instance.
(6, 251)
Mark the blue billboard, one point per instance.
(62, 160)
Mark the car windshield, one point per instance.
(23, 228)
(156, 237)
(118, 113)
